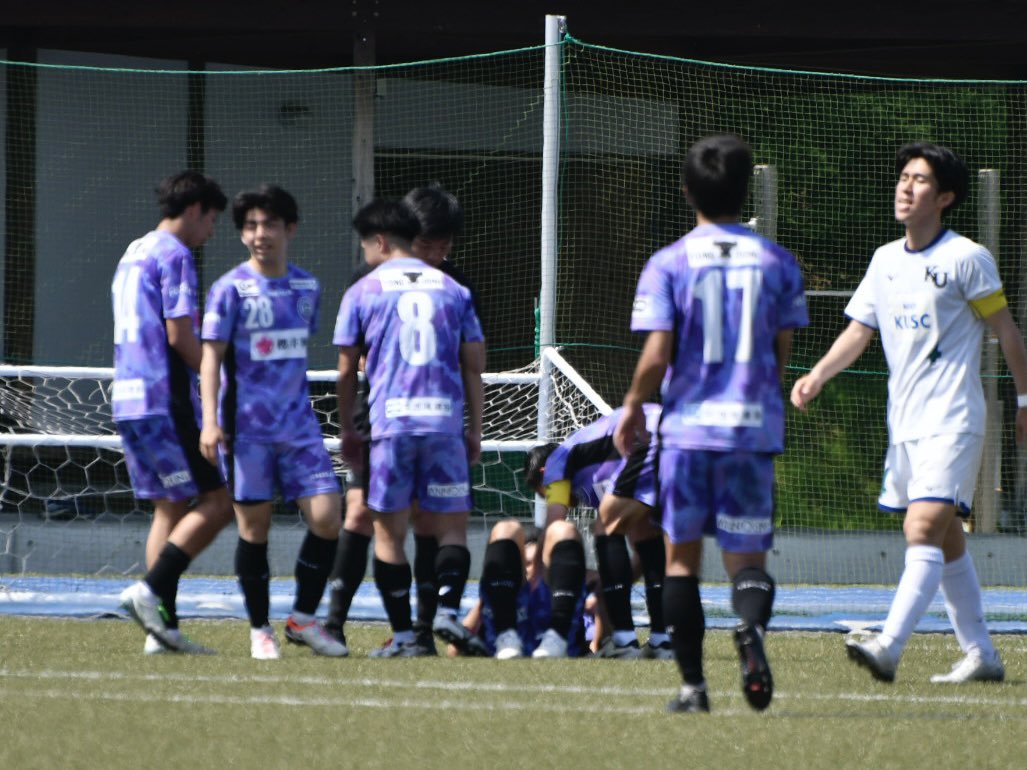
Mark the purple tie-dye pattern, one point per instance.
(412, 319)
(767, 289)
(591, 481)
(155, 280)
(267, 322)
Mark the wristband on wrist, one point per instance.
(1021, 401)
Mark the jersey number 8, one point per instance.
(417, 341)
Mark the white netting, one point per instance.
(63, 468)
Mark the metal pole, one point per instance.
(363, 131)
(555, 29)
(764, 192)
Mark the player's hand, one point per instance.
(352, 448)
(630, 431)
(805, 389)
(211, 440)
(473, 447)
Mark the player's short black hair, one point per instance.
(532, 534)
(387, 217)
(438, 211)
(535, 462)
(949, 169)
(179, 191)
(716, 172)
(269, 198)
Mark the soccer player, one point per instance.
(258, 318)
(423, 361)
(520, 613)
(587, 469)
(931, 294)
(441, 218)
(719, 306)
(156, 357)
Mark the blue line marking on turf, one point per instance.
(798, 608)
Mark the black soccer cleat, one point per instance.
(691, 700)
(449, 630)
(423, 637)
(757, 683)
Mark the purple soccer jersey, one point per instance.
(266, 322)
(412, 319)
(725, 292)
(591, 463)
(155, 280)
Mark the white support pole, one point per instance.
(363, 132)
(555, 29)
(764, 193)
(987, 504)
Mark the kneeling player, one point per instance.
(586, 469)
(532, 597)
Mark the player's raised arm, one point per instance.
(846, 349)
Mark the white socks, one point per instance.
(917, 587)
(962, 592)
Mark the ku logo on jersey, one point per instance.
(305, 307)
(939, 279)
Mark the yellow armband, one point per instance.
(559, 493)
(987, 306)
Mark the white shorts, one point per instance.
(940, 468)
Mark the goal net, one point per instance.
(66, 503)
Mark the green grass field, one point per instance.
(80, 694)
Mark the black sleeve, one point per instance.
(363, 270)
(458, 275)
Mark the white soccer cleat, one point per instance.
(183, 645)
(975, 667)
(508, 645)
(153, 647)
(874, 656)
(263, 645)
(144, 608)
(314, 636)
(552, 645)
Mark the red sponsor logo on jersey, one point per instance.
(265, 345)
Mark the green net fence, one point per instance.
(85, 146)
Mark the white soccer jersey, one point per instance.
(928, 306)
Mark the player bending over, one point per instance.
(586, 469)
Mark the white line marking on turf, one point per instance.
(492, 687)
(377, 703)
